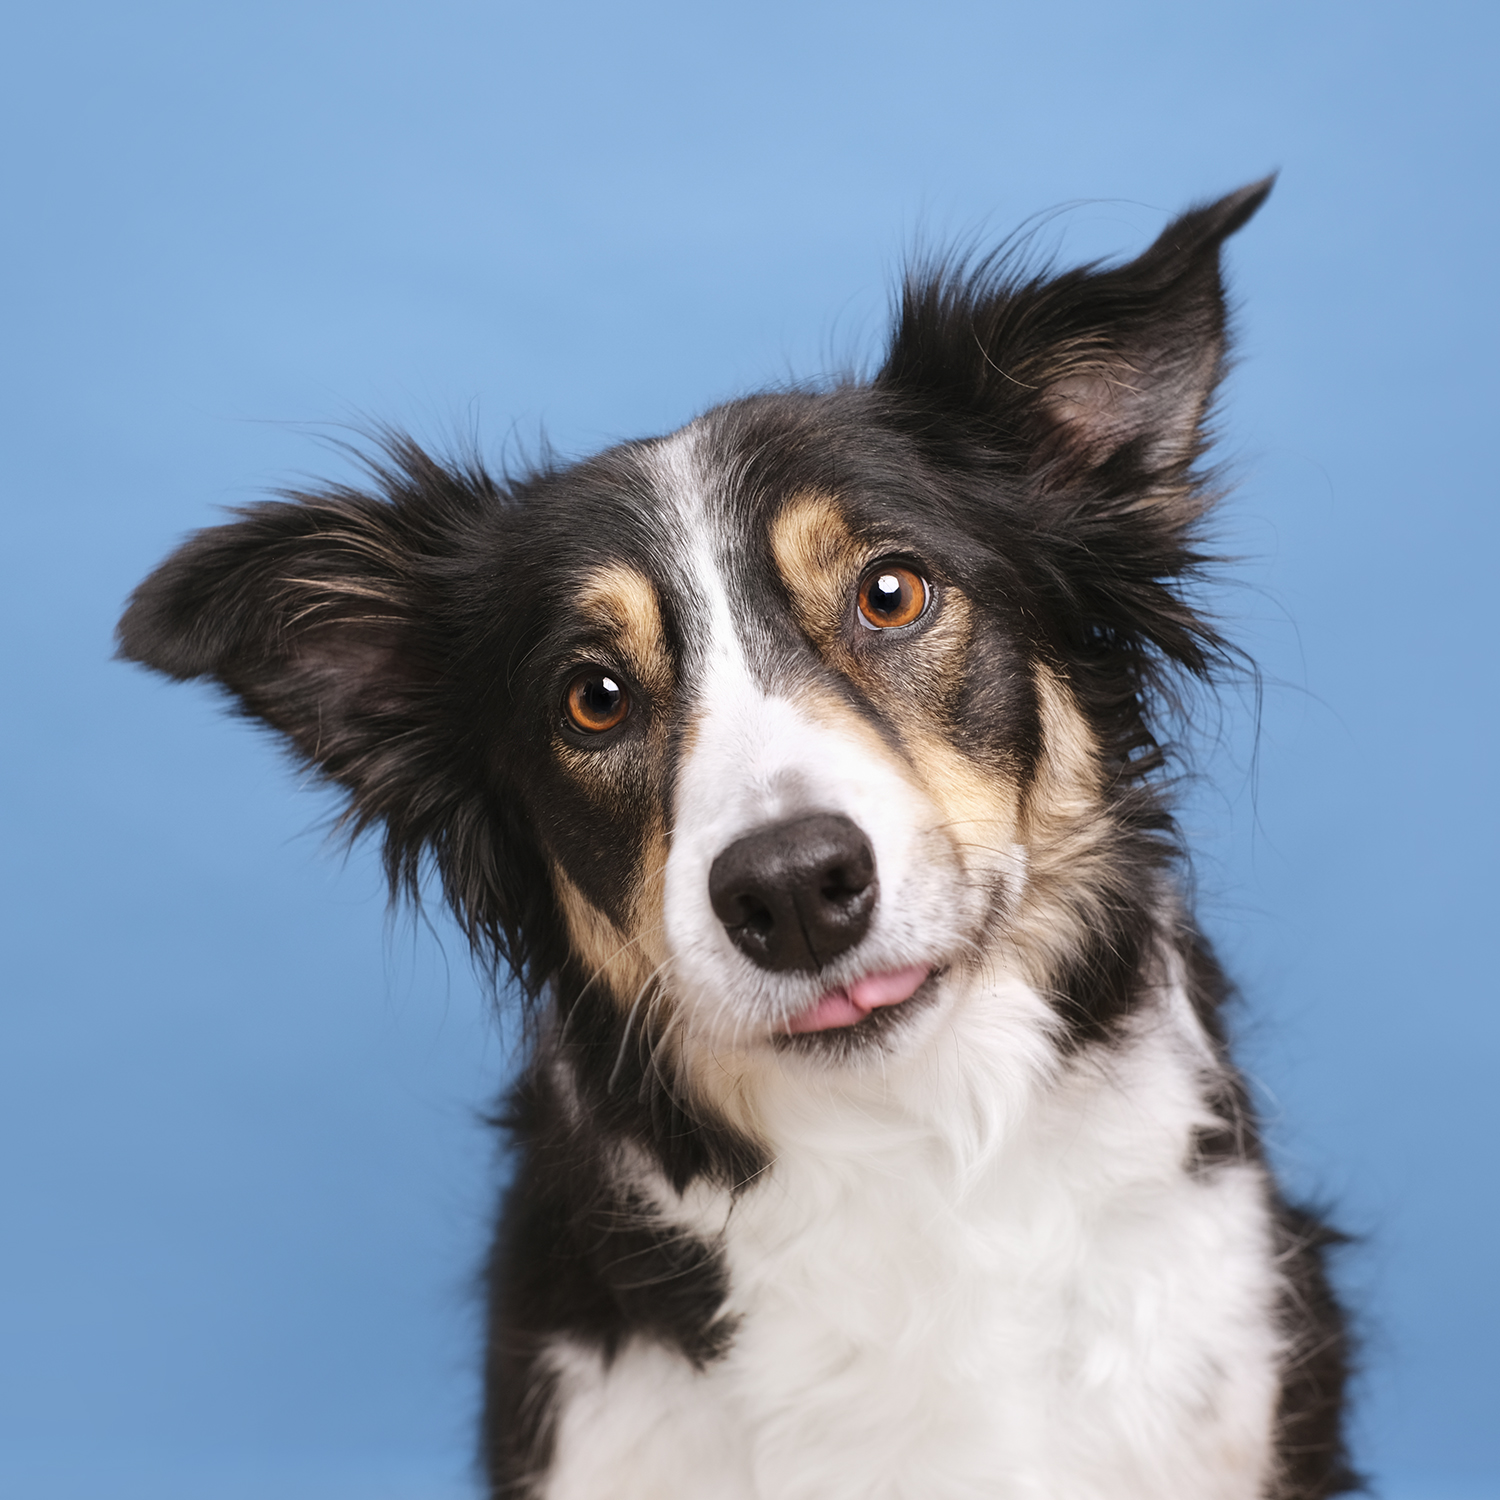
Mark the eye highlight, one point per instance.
(890, 595)
(595, 700)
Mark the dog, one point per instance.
(878, 1137)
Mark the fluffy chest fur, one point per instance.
(933, 1298)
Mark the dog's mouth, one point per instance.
(849, 1004)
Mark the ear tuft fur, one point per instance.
(1080, 367)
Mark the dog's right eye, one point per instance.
(891, 594)
(596, 700)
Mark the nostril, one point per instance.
(841, 882)
(849, 875)
(754, 915)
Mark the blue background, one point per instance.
(245, 1187)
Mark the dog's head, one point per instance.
(778, 730)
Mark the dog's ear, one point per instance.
(1094, 367)
(342, 618)
(318, 614)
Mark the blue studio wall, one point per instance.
(243, 1179)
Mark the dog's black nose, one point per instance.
(794, 895)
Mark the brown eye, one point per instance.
(596, 700)
(892, 594)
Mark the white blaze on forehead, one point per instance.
(724, 696)
(685, 484)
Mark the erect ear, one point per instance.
(329, 617)
(1087, 367)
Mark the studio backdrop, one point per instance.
(245, 1175)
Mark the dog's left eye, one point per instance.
(596, 700)
(891, 594)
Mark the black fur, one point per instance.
(1036, 438)
(575, 1256)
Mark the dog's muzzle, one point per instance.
(793, 896)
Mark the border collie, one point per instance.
(878, 1138)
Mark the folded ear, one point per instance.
(340, 618)
(1087, 367)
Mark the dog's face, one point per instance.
(793, 729)
(770, 734)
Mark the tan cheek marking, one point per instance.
(648, 909)
(624, 962)
(1068, 838)
(1067, 786)
(980, 802)
(818, 560)
(623, 604)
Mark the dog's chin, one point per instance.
(855, 1019)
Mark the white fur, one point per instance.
(964, 1275)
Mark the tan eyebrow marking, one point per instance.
(818, 559)
(623, 603)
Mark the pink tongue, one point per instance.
(847, 1006)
